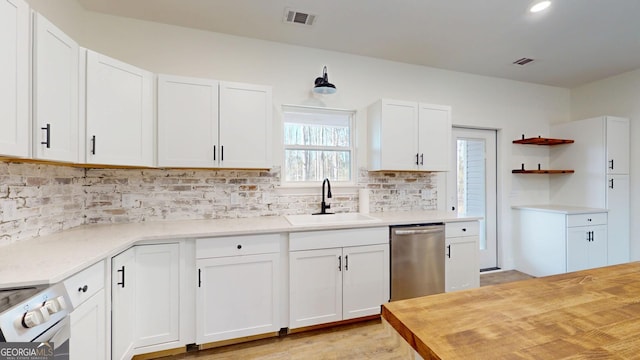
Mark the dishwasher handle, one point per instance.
(417, 231)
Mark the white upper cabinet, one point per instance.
(245, 126)
(204, 123)
(187, 121)
(14, 78)
(408, 136)
(55, 93)
(119, 110)
(617, 130)
(393, 135)
(435, 137)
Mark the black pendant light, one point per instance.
(323, 86)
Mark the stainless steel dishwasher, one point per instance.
(417, 260)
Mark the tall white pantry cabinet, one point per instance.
(600, 157)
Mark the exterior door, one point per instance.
(472, 188)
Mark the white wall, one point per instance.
(514, 108)
(618, 96)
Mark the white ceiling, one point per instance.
(573, 42)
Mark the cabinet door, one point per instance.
(123, 304)
(461, 265)
(87, 329)
(618, 219)
(365, 280)
(598, 246)
(14, 78)
(245, 126)
(55, 93)
(617, 145)
(187, 122)
(578, 241)
(157, 294)
(399, 135)
(315, 286)
(119, 113)
(434, 125)
(237, 296)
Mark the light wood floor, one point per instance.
(366, 340)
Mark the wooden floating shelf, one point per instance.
(520, 171)
(542, 141)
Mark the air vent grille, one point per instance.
(299, 17)
(523, 61)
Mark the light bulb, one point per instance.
(539, 6)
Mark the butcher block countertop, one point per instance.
(590, 314)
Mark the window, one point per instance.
(318, 144)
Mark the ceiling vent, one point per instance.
(523, 61)
(298, 17)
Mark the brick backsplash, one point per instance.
(37, 199)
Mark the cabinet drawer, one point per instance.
(328, 239)
(84, 284)
(463, 228)
(586, 219)
(237, 245)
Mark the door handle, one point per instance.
(214, 153)
(339, 263)
(611, 164)
(199, 277)
(610, 183)
(47, 142)
(449, 251)
(417, 163)
(346, 262)
(422, 159)
(122, 271)
(417, 232)
(93, 145)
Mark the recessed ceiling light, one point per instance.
(539, 6)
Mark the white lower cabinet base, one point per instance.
(329, 283)
(237, 296)
(87, 329)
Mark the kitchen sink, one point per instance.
(330, 219)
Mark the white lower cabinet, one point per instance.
(239, 283)
(328, 282)
(87, 329)
(462, 268)
(586, 247)
(558, 239)
(145, 315)
(87, 321)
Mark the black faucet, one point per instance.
(323, 204)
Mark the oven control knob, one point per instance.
(35, 317)
(55, 305)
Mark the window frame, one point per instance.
(351, 149)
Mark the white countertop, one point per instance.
(562, 209)
(52, 258)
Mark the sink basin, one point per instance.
(330, 219)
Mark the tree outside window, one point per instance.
(318, 144)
